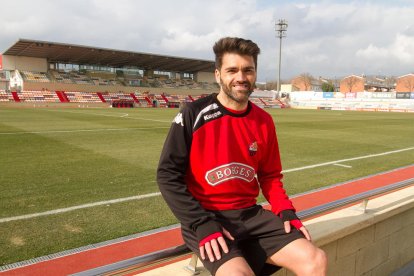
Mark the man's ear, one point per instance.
(217, 75)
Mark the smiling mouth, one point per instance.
(241, 86)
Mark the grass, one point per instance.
(58, 158)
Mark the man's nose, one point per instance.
(241, 76)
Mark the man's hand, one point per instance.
(289, 218)
(212, 244)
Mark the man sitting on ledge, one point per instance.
(220, 151)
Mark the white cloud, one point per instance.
(401, 50)
(324, 38)
(373, 53)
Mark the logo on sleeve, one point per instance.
(179, 119)
(230, 171)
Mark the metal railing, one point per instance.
(152, 259)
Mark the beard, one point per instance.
(239, 96)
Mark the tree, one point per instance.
(350, 82)
(306, 79)
(328, 87)
(409, 84)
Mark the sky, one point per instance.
(327, 39)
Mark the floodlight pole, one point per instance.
(281, 28)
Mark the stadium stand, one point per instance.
(102, 78)
(5, 97)
(61, 77)
(82, 97)
(80, 78)
(143, 100)
(38, 96)
(128, 78)
(34, 76)
(109, 97)
(67, 67)
(86, 74)
(90, 81)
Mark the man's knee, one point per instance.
(235, 267)
(238, 272)
(317, 263)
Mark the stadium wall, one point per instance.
(205, 77)
(360, 101)
(24, 63)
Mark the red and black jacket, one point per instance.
(216, 159)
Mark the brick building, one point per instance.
(352, 83)
(306, 82)
(405, 83)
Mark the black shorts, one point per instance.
(258, 234)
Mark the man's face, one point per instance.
(237, 77)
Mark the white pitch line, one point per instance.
(63, 210)
(342, 165)
(124, 115)
(346, 160)
(57, 211)
(81, 130)
(108, 115)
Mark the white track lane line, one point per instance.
(63, 210)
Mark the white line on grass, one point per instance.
(348, 159)
(63, 210)
(342, 165)
(81, 130)
(109, 115)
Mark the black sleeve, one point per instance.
(171, 173)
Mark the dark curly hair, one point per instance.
(235, 45)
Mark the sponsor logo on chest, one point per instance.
(230, 171)
(212, 116)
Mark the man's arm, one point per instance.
(270, 179)
(171, 173)
(270, 174)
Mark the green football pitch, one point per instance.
(77, 176)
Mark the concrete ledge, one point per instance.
(336, 225)
(377, 242)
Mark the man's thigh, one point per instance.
(299, 251)
(235, 266)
